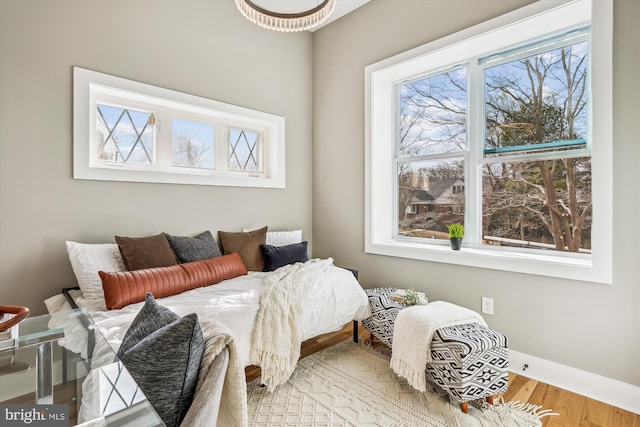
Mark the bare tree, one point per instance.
(187, 151)
(430, 118)
(553, 115)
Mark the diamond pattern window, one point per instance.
(124, 135)
(244, 150)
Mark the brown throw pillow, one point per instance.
(247, 244)
(122, 288)
(146, 252)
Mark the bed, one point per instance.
(307, 299)
(234, 303)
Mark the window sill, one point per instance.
(581, 268)
(194, 177)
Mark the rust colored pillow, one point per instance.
(146, 252)
(122, 288)
(247, 244)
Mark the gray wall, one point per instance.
(588, 326)
(204, 48)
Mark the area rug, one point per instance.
(350, 384)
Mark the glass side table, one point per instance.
(38, 370)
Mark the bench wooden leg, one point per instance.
(372, 338)
(464, 406)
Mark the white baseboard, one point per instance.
(594, 386)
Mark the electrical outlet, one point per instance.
(487, 305)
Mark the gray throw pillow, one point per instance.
(162, 351)
(189, 249)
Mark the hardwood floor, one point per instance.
(573, 409)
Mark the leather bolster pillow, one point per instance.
(127, 287)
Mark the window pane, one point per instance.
(433, 114)
(542, 204)
(124, 135)
(430, 196)
(244, 150)
(192, 144)
(537, 103)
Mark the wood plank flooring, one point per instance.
(573, 409)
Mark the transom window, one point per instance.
(129, 131)
(244, 150)
(193, 144)
(124, 135)
(513, 141)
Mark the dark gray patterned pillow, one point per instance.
(162, 351)
(189, 249)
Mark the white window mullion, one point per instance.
(475, 141)
(222, 147)
(395, 195)
(163, 138)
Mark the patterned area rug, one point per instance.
(352, 385)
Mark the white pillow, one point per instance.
(89, 258)
(281, 238)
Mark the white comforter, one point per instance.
(234, 302)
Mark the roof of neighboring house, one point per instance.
(422, 195)
(436, 188)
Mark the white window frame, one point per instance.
(91, 87)
(533, 22)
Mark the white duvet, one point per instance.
(325, 308)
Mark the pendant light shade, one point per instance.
(287, 22)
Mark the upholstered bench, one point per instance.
(384, 311)
(469, 361)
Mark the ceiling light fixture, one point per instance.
(287, 22)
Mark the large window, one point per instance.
(129, 131)
(506, 128)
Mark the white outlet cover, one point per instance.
(487, 305)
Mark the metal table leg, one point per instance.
(44, 373)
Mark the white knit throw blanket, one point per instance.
(412, 334)
(276, 337)
(221, 394)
